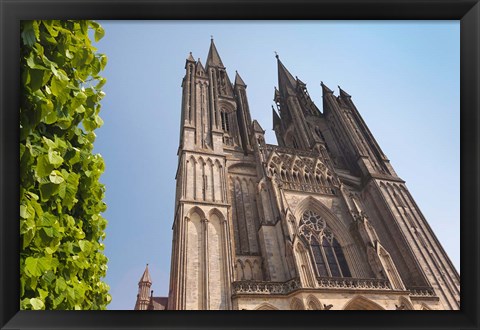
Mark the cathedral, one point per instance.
(320, 221)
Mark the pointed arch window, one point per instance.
(326, 253)
(225, 123)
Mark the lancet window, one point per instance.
(225, 123)
(326, 253)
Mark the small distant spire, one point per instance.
(276, 55)
(145, 277)
(211, 37)
(190, 57)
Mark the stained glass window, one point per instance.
(325, 250)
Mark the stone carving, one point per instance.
(422, 292)
(353, 283)
(268, 288)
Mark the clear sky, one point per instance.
(403, 78)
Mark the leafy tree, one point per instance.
(61, 198)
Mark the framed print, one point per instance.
(306, 214)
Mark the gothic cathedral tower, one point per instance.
(321, 221)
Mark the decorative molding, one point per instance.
(266, 288)
(283, 288)
(422, 292)
(353, 283)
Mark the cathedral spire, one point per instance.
(286, 82)
(213, 59)
(145, 277)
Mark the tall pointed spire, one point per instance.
(213, 59)
(286, 82)
(146, 276)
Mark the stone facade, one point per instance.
(321, 221)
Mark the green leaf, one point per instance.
(99, 33)
(28, 33)
(37, 304)
(36, 79)
(58, 86)
(49, 143)
(54, 158)
(37, 266)
(84, 245)
(47, 190)
(50, 28)
(43, 294)
(44, 167)
(56, 177)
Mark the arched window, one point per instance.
(225, 123)
(326, 252)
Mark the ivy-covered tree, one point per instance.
(61, 198)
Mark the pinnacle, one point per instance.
(343, 93)
(146, 276)
(239, 80)
(325, 88)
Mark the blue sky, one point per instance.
(403, 78)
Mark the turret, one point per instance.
(144, 285)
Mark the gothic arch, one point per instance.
(296, 304)
(194, 242)
(406, 302)
(362, 303)
(304, 267)
(197, 210)
(313, 303)
(217, 212)
(266, 306)
(424, 307)
(338, 228)
(216, 256)
(248, 271)
(241, 165)
(239, 270)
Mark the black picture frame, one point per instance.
(12, 11)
